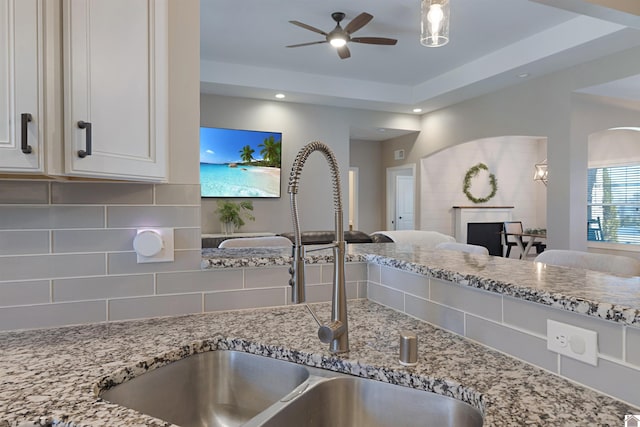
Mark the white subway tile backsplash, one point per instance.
(51, 266)
(247, 298)
(153, 216)
(177, 194)
(352, 271)
(373, 273)
(24, 242)
(126, 263)
(105, 240)
(608, 377)
(187, 238)
(319, 293)
(24, 192)
(533, 317)
(312, 274)
(50, 217)
(414, 284)
(49, 315)
(470, 300)
(92, 288)
(23, 293)
(100, 193)
(154, 306)
(633, 346)
(269, 277)
(439, 315)
(199, 281)
(519, 344)
(385, 296)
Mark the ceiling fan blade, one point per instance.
(374, 40)
(343, 52)
(307, 44)
(358, 22)
(308, 27)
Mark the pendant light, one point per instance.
(434, 24)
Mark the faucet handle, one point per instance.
(330, 332)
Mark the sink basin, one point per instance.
(359, 402)
(230, 388)
(216, 388)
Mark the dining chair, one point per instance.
(515, 227)
(256, 242)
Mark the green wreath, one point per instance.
(473, 172)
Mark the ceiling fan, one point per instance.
(339, 37)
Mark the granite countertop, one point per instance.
(592, 293)
(55, 372)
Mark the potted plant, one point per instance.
(233, 214)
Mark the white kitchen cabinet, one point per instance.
(115, 88)
(21, 86)
(102, 66)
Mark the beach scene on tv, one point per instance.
(239, 163)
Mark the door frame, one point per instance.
(354, 173)
(406, 170)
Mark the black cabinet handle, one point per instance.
(25, 118)
(87, 151)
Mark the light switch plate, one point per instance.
(574, 342)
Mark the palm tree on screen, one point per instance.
(271, 151)
(246, 154)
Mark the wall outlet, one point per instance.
(574, 342)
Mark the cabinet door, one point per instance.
(115, 69)
(20, 86)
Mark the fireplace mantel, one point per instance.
(466, 214)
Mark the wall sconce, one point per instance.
(434, 24)
(541, 172)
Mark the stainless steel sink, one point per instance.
(216, 388)
(229, 388)
(358, 402)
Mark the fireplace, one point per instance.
(463, 215)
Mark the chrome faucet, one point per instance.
(335, 333)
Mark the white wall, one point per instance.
(367, 157)
(542, 107)
(510, 159)
(299, 124)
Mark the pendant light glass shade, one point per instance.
(541, 172)
(434, 25)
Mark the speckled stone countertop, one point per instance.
(613, 298)
(56, 372)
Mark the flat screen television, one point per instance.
(239, 163)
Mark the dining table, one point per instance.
(532, 236)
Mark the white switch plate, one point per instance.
(574, 342)
(166, 254)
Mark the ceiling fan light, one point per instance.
(338, 42)
(434, 23)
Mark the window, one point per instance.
(613, 204)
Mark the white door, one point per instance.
(404, 203)
(116, 87)
(392, 201)
(20, 86)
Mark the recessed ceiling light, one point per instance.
(417, 110)
(279, 95)
(523, 75)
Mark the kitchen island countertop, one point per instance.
(56, 373)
